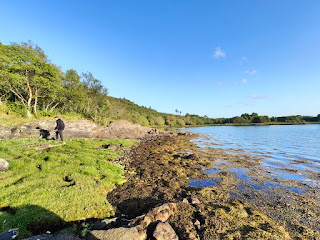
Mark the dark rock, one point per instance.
(61, 236)
(12, 234)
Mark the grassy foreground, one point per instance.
(48, 186)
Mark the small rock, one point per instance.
(193, 236)
(197, 224)
(195, 200)
(121, 233)
(4, 165)
(164, 231)
(185, 201)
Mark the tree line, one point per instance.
(33, 86)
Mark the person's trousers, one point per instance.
(59, 132)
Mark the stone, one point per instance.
(197, 224)
(195, 200)
(185, 201)
(4, 165)
(121, 233)
(160, 214)
(164, 231)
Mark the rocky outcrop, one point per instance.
(77, 129)
(4, 165)
(154, 223)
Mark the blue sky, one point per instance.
(215, 58)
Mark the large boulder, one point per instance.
(4, 165)
(121, 233)
(164, 231)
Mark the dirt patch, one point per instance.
(161, 170)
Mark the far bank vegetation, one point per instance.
(33, 87)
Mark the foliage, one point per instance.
(32, 86)
(64, 183)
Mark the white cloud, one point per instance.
(243, 60)
(243, 81)
(254, 96)
(220, 84)
(251, 72)
(248, 104)
(219, 53)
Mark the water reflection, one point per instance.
(287, 152)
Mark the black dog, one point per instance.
(43, 133)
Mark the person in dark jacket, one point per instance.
(59, 128)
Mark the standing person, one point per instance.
(59, 129)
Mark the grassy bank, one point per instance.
(52, 186)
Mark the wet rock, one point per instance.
(164, 231)
(121, 233)
(4, 165)
(61, 236)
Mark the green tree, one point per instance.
(180, 122)
(96, 93)
(246, 116)
(26, 73)
(171, 120)
(159, 121)
(74, 92)
(239, 120)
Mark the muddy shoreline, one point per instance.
(160, 170)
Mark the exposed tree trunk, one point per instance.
(47, 106)
(29, 113)
(54, 106)
(35, 102)
(30, 95)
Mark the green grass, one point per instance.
(71, 185)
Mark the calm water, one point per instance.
(296, 147)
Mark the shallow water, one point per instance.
(288, 152)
